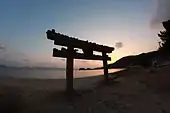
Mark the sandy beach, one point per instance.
(135, 90)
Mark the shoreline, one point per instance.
(53, 74)
(128, 91)
(52, 83)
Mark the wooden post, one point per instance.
(69, 71)
(105, 66)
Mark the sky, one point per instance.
(23, 26)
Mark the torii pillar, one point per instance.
(69, 71)
(105, 66)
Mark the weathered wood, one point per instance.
(58, 53)
(63, 40)
(69, 72)
(105, 66)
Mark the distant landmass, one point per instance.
(144, 59)
(86, 68)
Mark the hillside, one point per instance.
(144, 59)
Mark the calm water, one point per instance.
(48, 74)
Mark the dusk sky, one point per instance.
(23, 26)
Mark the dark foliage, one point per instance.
(165, 38)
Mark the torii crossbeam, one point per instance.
(70, 53)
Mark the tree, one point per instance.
(165, 38)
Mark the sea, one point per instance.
(49, 73)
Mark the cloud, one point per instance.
(26, 60)
(119, 45)
(12, 58)
(2, 52)
(162, 13)
(2, 47)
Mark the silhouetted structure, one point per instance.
(70, 53)
(165, 37)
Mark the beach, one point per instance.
(134, 90)
(49, 84)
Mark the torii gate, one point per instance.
(70, 53)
